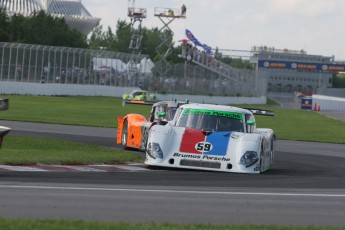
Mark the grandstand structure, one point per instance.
(73, 11)
(295, 70)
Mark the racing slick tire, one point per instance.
(124, 134)
(272, 150)
(261, 159)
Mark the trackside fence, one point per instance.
(39, 64)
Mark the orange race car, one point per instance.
(133, 129)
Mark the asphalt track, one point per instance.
(306, 186)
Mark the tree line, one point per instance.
(41, 29)
(44, 29)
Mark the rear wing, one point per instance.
(3, 130)
(124, 102)
(261, 112)
(3, 104)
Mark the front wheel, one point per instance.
(124, 134)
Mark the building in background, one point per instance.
(295, 70)
(73, 11)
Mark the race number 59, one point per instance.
(203, 146)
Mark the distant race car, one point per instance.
(132, 129)
(3, 132)
(139, 95)
(212, 137)
(4, 103)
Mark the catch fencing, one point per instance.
(63, 65)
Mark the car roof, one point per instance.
(138, 90)
(216, 107)
(173, 104)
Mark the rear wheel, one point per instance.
(272, 152)
(124, 134)
(262, 167)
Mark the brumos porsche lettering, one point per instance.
(187, 156)
(207, 157)
(213, 113)
(202, 157)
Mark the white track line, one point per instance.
(132, 168)
(79, 168)
(22, 168)
(177, 191)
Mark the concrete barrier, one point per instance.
(23, 88)
(328, 104)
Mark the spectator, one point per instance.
(183, 10)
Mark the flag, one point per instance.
(191, 37)
(207, 49)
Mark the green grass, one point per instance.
(88, 111)
(303, 125)
(27, 150)
(102, 112)
(9, 224)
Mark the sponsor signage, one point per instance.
(301, 66)
(201, 157)
(307, 104)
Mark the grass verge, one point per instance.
(303, 125)
(77, 110)
(288, 124)
(27, 150)
(10, 224)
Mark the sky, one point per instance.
(316, 26)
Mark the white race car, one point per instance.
(212, 137)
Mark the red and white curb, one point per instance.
(75, 168)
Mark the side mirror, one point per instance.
(161, 114)
(250, 122)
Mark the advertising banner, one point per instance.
(301, 66)
(307, 104)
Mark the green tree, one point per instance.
(122, 36)
(338, 80)
(174, 57)
(16, 28)
(150, 42)
(4, 22)
(96, 38)
(235, 62)
(110, 40)
(39, 28)
(48, 30)
(120, 41)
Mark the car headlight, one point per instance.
(249, 158)
(154, 150)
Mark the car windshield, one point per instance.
(137, 93)
(169, 112)
(211, 120)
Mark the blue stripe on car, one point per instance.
(219, 141)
